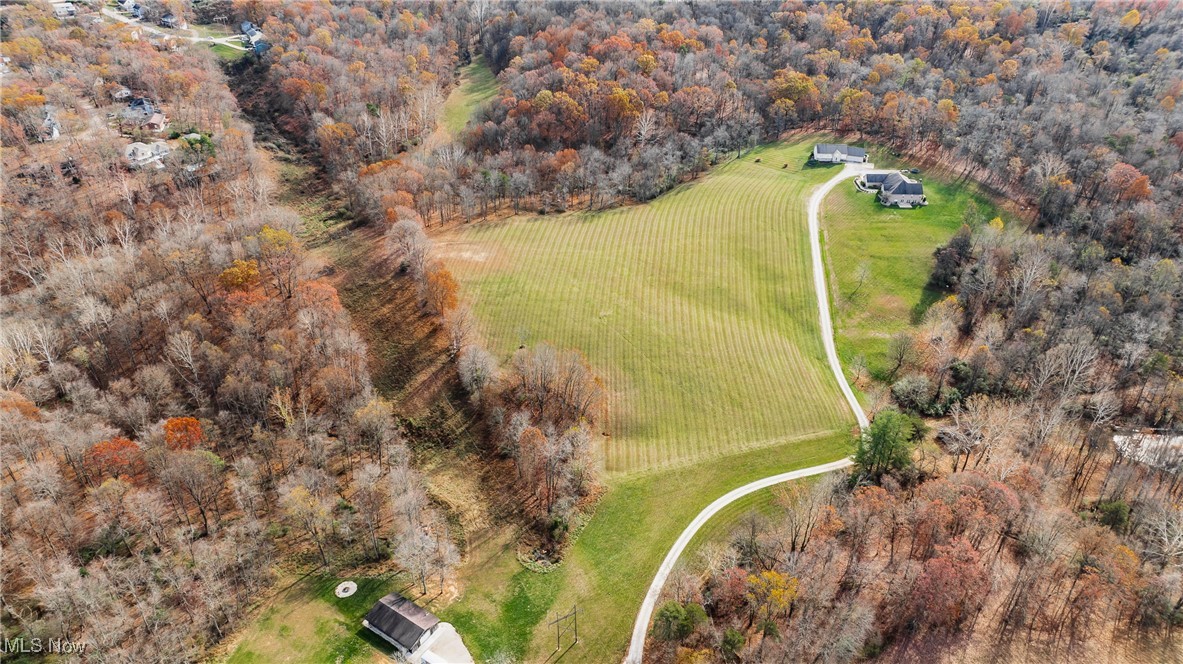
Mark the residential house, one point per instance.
(146, 155)
(126, 5)
(137, 10)
(401, 622)
(121, 93)
(895, 188)
(64, 9)
(141, 112)
(173, 21)
(156, 122)
(835, 153)
(246, 27)
(261, 47)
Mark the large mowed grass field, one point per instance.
(697, 309)
(879, 261)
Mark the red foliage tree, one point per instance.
(1128, 182)
(951, 587)
(116, 457)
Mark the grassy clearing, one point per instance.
(212, 29)
(896, 246)
(697, 309)
(307, 623)
(609, 568)
(477, 85)
(227, 52)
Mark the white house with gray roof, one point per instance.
(895, 188)
(837, 153)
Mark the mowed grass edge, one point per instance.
(504, 608)
(696, 308)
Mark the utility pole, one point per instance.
(565, 623)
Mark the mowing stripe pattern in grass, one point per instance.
(697, 309)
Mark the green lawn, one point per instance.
(504, 608)
(306, 623)
(213, 29)
(699, 312)
(896, 249)
(697, 309)
(477, 85)
(226, 52)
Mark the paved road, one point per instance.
(636, 648)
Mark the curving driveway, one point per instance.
(636, 648)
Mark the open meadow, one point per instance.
(697, 309)
(477, 85)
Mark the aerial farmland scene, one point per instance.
(541, 331)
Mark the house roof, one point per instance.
(140, 150)
(839, 148)
(400, 619)
(896, 183)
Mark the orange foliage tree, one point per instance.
(441, 289)
(1128, 182)
(115, 457)
(183, 433)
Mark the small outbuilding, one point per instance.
(837, 153)
(401, 622)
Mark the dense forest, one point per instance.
(184, 401)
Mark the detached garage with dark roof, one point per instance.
(401, 622)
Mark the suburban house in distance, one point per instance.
(836, 153)
(894, 188)
(139, 155)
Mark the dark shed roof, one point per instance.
(400, 619)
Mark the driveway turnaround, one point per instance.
(636, 647)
